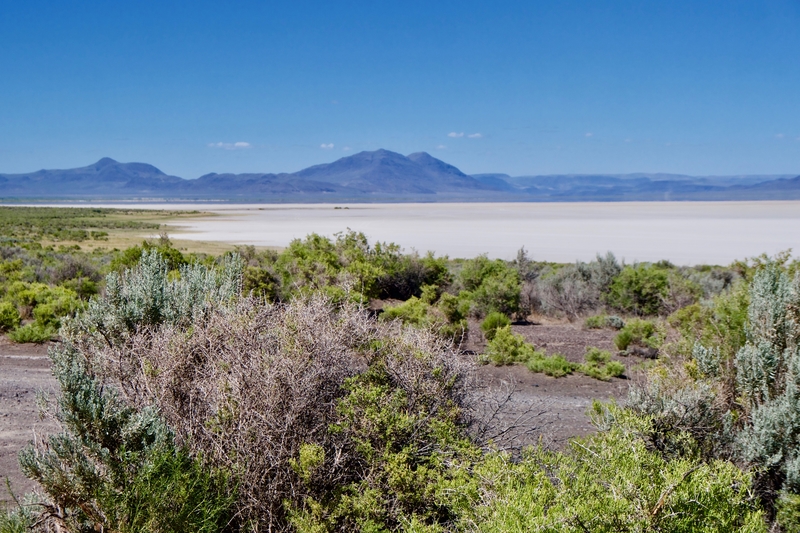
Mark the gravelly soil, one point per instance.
(560, 403)
(543, 407)
(24, 370)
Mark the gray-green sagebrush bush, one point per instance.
(115, 466)
(737, 394)
(768, 377)
(573, 290)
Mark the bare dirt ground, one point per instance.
(24, 370)
(541, 407)
(556, 407)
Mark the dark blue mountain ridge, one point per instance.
(384, 175)
(105, 175)
(383, 171)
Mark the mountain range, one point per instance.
(383, 175)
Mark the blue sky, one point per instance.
(516, 87)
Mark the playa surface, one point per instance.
(685, 233)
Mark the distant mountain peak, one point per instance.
(384, 174)
(419, 156)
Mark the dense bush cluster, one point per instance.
(730, 388)
(186, 406)
(346, 267)
(39, 287)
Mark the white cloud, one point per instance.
(239, 145)
(779, 135)
(589, 134)
(328, 146)
(441, 147)
(346, 149)
(474, 135)
(455, 135)
(628, 140)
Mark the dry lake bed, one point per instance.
(682, 232)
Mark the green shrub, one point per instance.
(377, 271)
(719, 326)
(507, 347)
(491, 286)
(83, 287)
(17, 521)
(23, 294)
(414, 311)
(599, 365)
(492, 322)
(420, 313)
(612, 481)
(595, 322)
(9, 316)
(788, 512)
(116, 467)
(260, 282)
(32, 333)
(640, 332)
(555, 365)
(130, 257)
(47, 304)
(597, 356)
(640, 290)
(405, 449)
(55, 304)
